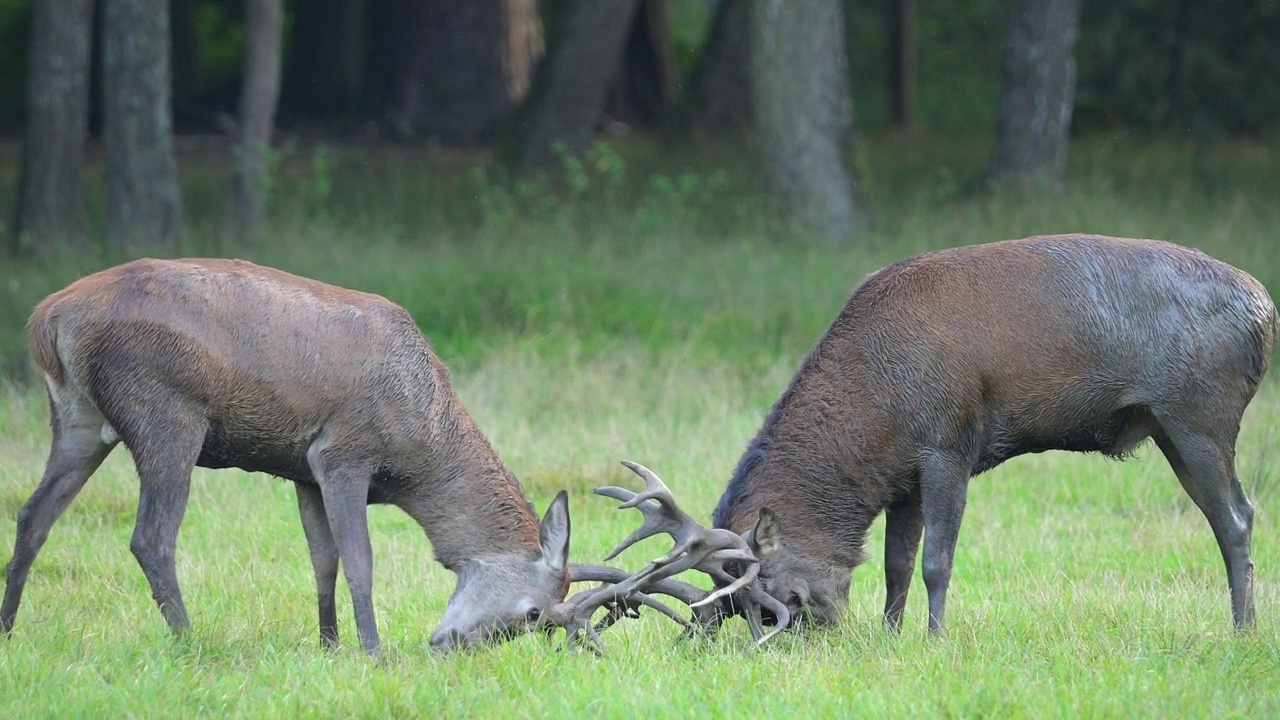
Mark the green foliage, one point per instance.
(690, 22)
(1180, 65)
(608, 252)
(315, 190)
(221, 34)
(15, 24)
(958, 74)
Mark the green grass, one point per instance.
(653, 323)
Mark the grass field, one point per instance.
(645, 314)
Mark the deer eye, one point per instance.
(533, 616)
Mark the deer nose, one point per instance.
(446, 639)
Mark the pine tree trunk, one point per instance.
(144, 200)
(569, 90)
(804, 115)
(50, 202)
(1036, 100)
(258, 96)
(719, 98)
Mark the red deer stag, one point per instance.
(939, 368)
(944, 365)
(223, 363)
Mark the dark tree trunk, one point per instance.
(804, 114)
(719, 98)
(388, 21)
(323, 70)
(1177, 60)
(50, 202)
(144, 200)
(258, 98)
(453, 69)
(569, 91)
(646, 83)
(901, 17)
(188, 71)
(1039, 76)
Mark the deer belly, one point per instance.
(256, 452)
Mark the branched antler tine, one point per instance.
(593, 641)
(658, 491)
(747, 577)
(654, 488)
(661, 607)
(617, 611)
(705, 551)
(680, 549)
(680, 590)
(647, 601)
(655, 520)
(578, 633)
(713, 564)
(695, 547)
(781, 614)
(754, 622)
(615, 492)
(646, 530)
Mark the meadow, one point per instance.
(643, 309)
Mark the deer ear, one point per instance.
(767, 536)
(553, 533)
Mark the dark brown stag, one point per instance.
(223, 363)
(944, 365)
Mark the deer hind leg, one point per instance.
(165, 452)
(324, 559)
(904, 525)
(76, 452)
(344, 486)
(1205, 465)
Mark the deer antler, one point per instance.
(696, 548)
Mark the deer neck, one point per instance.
(469, 504)
(828, 524)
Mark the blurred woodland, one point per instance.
(525, 86)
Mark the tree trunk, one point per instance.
(719, 98)
(804, 114)
(1172, 101)
(645, 85)
(1039, 75)
(50, 202)
(323, 70)
(453, 69)
(388, 21)
(144, 200)
(188, 70)
(901, 17)
(258, 97)
(569, 91)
